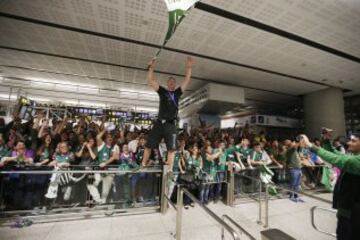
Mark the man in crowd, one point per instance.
(166, 124)
(108, 152)
(293, 162)
(347, 189)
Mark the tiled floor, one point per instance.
(292, 218)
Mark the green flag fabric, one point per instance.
(177, 10)
(265, 176)
(326, 178)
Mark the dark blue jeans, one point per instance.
(220, 177)
(295, 181)
(204, 193)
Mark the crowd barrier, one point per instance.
(34, 191)
(23, 190)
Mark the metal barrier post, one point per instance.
(266, 206)
(179, 208)
(230, 188)
(260, 207)
(164, 190)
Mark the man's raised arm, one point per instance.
(185, 83)
(153, 83)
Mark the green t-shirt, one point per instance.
(193, 162)
(210, 167)
(104, 153)
(45, 154)
(4, 152)
(245, 152)
(256, 156)
(176, 161)
(139, 155)
(64, 158)
(293, 158)
(221, 163)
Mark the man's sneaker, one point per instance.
(293, 199)
(300, 200)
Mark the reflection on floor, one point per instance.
(292, 218)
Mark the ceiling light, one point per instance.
(42, 84)
(137, 91)
(6, 96)
(66, 87)
(92, 104)
(88, 90)
(40, 99)
(146, 109)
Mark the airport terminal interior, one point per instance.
(179, 119)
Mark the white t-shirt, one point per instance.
(133, 145)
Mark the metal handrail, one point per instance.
(170, 202)
(181, 191)
(312, 211)
(78, 171)
(260, 194)
(302, 193)
(286, 189)
(236, 225)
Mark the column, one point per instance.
(324, 108)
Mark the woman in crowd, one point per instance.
(210, 160)
(193, 164)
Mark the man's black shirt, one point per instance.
(169, 103)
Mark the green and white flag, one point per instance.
(177, 10)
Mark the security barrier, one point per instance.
(40, 191)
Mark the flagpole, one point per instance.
(176, 24)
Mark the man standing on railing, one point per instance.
(347, 189)
(166, 124)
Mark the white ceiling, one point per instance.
(333, 23)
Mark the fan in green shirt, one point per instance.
(210, 158)
(259, 156)
(194, 161)
(242, 152)
(346, 162)
(275, 155)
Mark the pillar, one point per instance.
(324, 108)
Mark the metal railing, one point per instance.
(179, 208)
(242, 230)
(266, 224)
(312, 211)
(80, 205)
(260, 195)
(180, 193)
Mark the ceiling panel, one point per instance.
(333, 23)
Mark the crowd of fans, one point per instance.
(204, 154)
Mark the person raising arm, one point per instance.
(346, 162)
(165, 127)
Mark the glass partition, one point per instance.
(28, 191)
